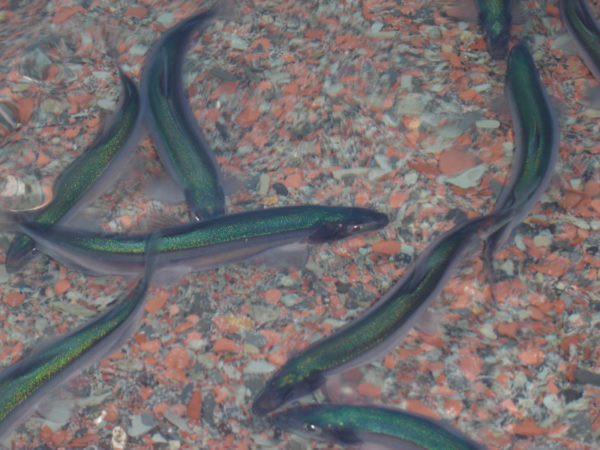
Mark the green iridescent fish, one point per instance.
(182, 148)
(371, 425)
(88, 176)
(380, 328)
(206, 244)
(580, 23)
(495, 19)
(25, 383)
(536, 145)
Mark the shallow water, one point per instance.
(378, 104)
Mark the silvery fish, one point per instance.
(380, 328)
(25, 383)
(371, 425)
(536, 145)
(182, 148)
(88, 176)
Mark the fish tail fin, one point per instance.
(151, 255)
(10, 221)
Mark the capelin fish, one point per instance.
(29, 380)
(88, 176)
(206, 244)
(380, 328)
(182, 148)
(495, 19)
(576, 16)
(371, 425)
(536, 145)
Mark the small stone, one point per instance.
(259, 367)
(238, 44)
(469, 178)
(263, 184)
(158, 439)
(542, 240)
(138, 50)
(107, 104)
(487, 330)
(410, 179)
(52, 106)
(487, 123)
(406, 82)
(165, 19)
(141, 424)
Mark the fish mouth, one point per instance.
(378, 221)
(266, 402)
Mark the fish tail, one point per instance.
(10, 221)
(151, 254)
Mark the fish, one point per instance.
(536, 145)
(495, 19)
(203, 245)
(371, 425)
(381, 327)
(182, 148)
(579, 21)
(89, 175)
(30, 379)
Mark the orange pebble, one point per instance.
(14, 298)
(112, 412)
(453, 161)
(387, 247)
(362, 198)
(145, 392)
(43, 159)
(554, 267)
(273, 295)
(453, 407)
(61, 286)
(151, 346)
(397, 198)
(177, 358)
(293, 181)
(194, 407)
(25, 107)
(528, 428)
(157, 302)
(224, 345)
(248, 116)
(508, 329)
(71, 132)
(137, 11)
(532, 357)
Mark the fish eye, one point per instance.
(311, 428)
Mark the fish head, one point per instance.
(320, 422)
(348, 222)
(283, 388)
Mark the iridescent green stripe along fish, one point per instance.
(182, 148)
(371, 425)
(380, 328)
(206, 244)
(536, 145)
(495, 19)
(88, 176)
(29, 380)
(580, 23)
